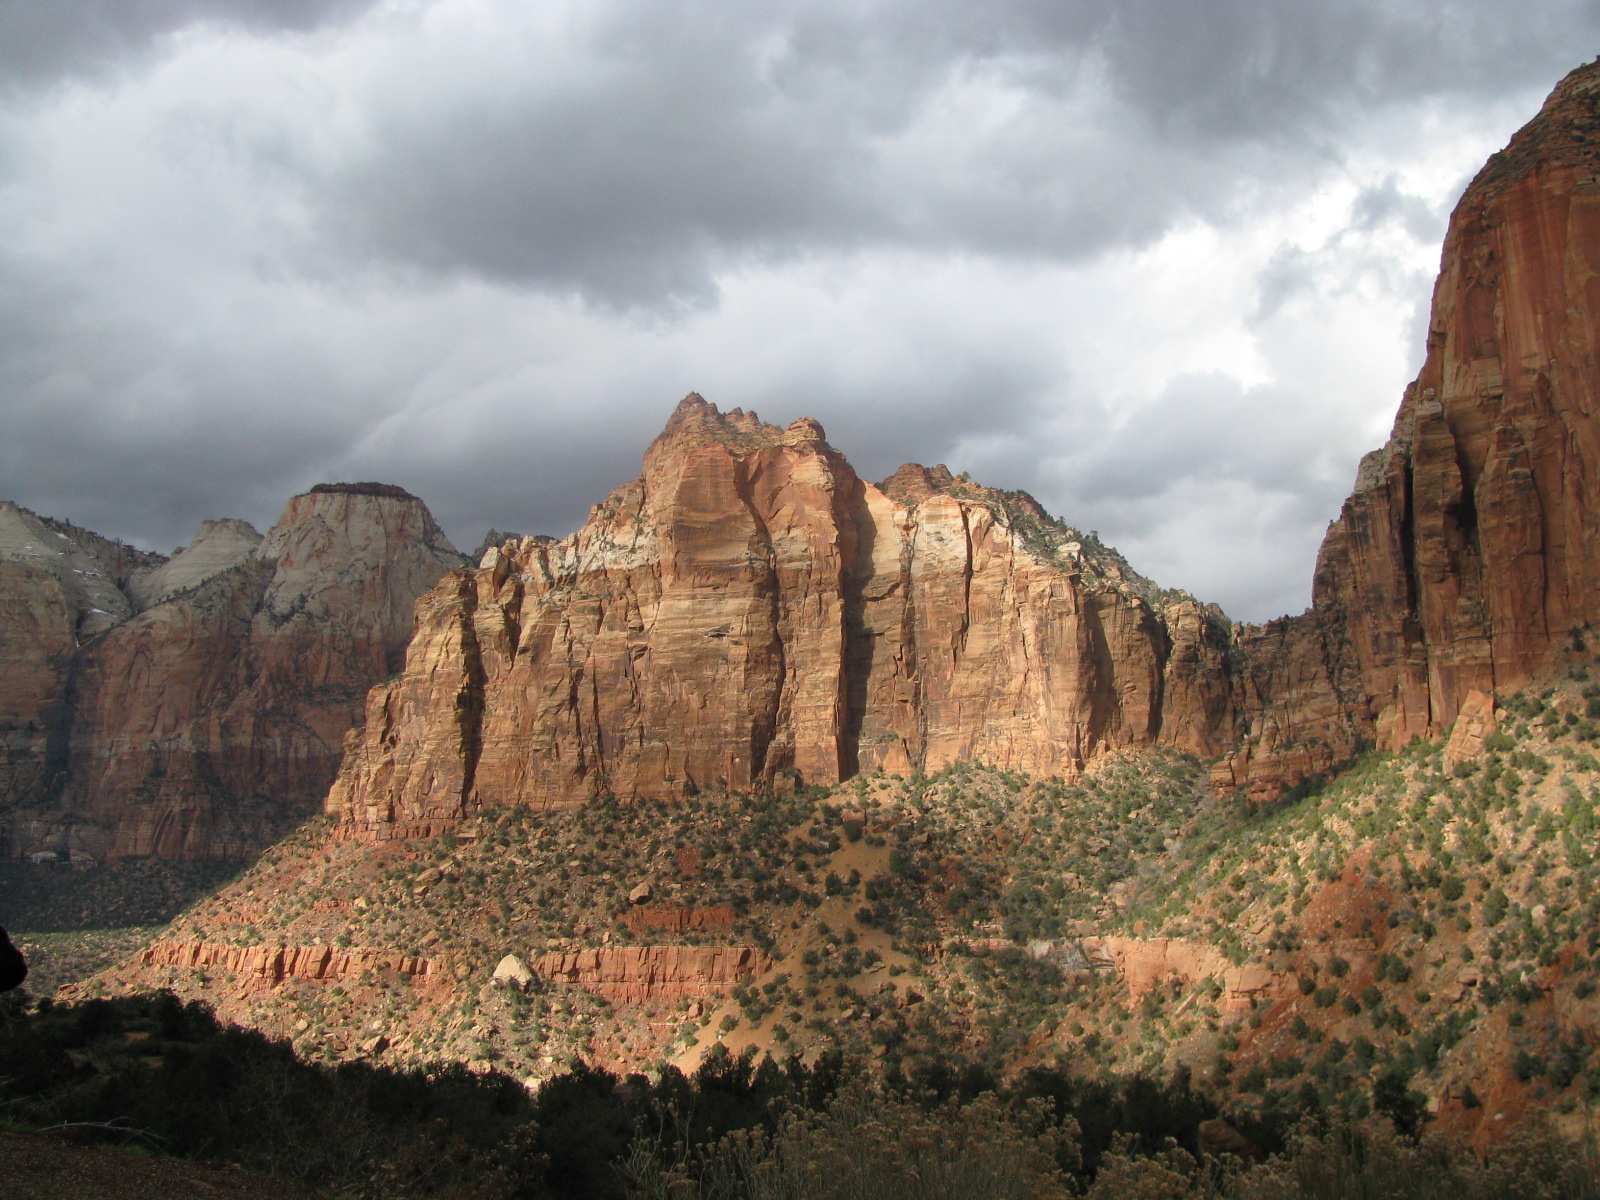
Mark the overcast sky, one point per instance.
(1164, 263)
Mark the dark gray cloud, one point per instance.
(480, 249)
(43, 40)
(679, 138)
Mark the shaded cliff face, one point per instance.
(1466, 558)
(60, 586)
(199, 726)
(749, 612)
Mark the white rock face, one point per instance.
(218, 546)
(89, 570)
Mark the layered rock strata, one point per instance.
(60, 586)
(207, 709)
(275, 964)
(749, 612)
(680, 920)
(650, 974)
(1467, 559)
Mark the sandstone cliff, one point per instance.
(60, 586)
(652, 974)
(209, 694)
(749, 612)
(1465, 559)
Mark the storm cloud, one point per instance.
(1165, 264)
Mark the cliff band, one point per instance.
(748, 612)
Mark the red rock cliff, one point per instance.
(748, 611)
(1466, 558)
(60, 586)
(202, 725)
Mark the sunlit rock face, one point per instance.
(1465, 559)
(749, 612)
(209, 706)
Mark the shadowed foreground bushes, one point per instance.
(865, 1146)
(153, 1071)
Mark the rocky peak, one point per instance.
(217, 547)
(1466, 558)
(697, 422)
(87, 573)
(750, 612)
(496, 538)
(913, 483)
(363, 518)
(1564, 134)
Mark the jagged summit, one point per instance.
(696, 421)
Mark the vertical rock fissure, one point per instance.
(469, 705)
(765, 724)
(856, 669)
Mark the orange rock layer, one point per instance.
(641, 974)
(275, 964)
(1468, 557)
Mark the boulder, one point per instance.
(513, 972)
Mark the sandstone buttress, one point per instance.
(1468, 556)
(749, 612)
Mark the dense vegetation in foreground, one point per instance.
(154, 1071)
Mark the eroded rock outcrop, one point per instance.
(1466, 558)
(274, 964)
(680, 920)
(209, 693)
(60, 586)
(641, 974)
(748, 612)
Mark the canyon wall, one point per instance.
(749, 613)
(60, 586)
(653, 974)
(1466, 557)
(275, 964)
(195, 707)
